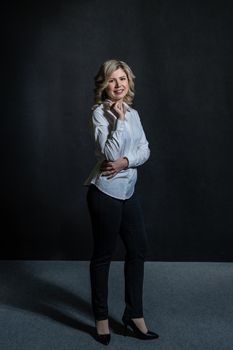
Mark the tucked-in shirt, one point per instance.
(116, 138)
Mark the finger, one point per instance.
(106, 173)
(119, 105)
(109, 173)
(111, 176)
(106, 168)
(113, 105)
(105, 162)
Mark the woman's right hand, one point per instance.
(119, 110)
(110, 169)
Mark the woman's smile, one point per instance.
(118, 91)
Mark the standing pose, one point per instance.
(121, 146)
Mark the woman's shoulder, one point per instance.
(97, 108)
(133, 111)
(99, 115)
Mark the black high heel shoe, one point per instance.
(103, 338)
(139, 334)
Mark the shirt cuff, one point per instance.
(130, 161)
(127, 162)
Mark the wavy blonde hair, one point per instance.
(101, 81)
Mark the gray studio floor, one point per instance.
(46, 305)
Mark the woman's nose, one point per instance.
(117, 83)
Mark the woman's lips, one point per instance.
(119, 91)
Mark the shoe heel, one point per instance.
(138, 333)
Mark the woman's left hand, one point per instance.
(110, 169)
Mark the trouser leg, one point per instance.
(105, 213)
(134, 236)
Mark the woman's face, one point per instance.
(118, 85)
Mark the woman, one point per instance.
(121, 147)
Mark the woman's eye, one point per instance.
(122, 78)
(110, 81)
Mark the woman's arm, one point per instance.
(142, 151)
(131, 159)
(109, 144)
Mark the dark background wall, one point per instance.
(181, 53)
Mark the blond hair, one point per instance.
(101, 81)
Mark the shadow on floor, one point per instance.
(21, 288)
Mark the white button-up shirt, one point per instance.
(115, 138)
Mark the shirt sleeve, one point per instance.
(109, 143)
(142, 151)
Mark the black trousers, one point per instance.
(110, 217)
